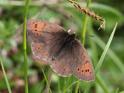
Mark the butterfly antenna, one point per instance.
(89, 13)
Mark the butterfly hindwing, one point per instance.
(83, 68)
(61, 64)
(73, 59)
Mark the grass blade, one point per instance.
(98, 66)
(102, 84)
(47, 82)
(111, 54)
(99, 80)
(117, 90)
(5, 77)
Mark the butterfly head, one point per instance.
(71, 32)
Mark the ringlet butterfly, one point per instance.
(60, 49)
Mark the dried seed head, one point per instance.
(89, 13)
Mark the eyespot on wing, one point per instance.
(85, 72)
(37, 29)
(37, 26)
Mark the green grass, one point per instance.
(86, 26)
(100, 62)
(25, 46)
(117, 61)
(47, 82)
(102, 84)
(97, 68)
(5, 76)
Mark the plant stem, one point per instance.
(77, 86)
(25, 46)
(85, 24)
(83, 38)
(47, 82)
(5, 77)
(88, 87)
(84, 29)
(84, 34)
(102, 84)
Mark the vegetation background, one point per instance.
(41, 79)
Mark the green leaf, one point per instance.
(98, 66)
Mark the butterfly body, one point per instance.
(60, 49)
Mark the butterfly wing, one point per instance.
(39, 52)
(61, 64)
(71, 59)
(46, 40)
(61, 68)
(82, 68)
(38, 30)
(40, 36)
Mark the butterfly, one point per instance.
(60, 49)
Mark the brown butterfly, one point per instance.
(60, 49)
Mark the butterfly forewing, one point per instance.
(41, 36)
(35, 30)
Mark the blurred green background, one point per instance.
(111, 74)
